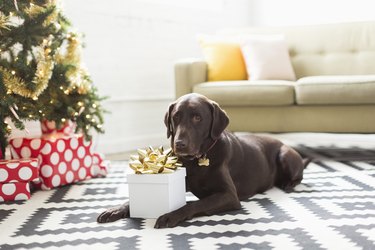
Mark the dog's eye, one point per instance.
(197, 118)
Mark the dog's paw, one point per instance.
(113, 214)
(168, 220)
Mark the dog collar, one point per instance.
(203, 161)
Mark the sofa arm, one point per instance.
(189, 72)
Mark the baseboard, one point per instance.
(129, 143)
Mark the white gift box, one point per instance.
(152, 195)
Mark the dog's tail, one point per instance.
(306, 162)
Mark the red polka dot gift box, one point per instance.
(14, 191)
(22, 170)
(49, 127)
(63, 159)
(15, 176)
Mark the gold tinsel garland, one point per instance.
(73, 52)
(43, 74)
(83, 85)
(52, 18)
(4, 22)
(10, 80)
(77, 76)
(154, 161)
(43, 71)
(34, 10)
(45, 63)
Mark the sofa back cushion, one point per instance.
(327, 49)
(248, 93)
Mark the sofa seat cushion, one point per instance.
(345, 89)
(248, 93)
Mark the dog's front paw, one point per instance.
(171, 219)
(113, 214)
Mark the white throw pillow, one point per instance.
(267, 58)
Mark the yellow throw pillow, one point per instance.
(225, 61)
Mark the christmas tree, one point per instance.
(41, 76)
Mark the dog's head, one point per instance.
(192, 122)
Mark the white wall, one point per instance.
(131, 46)
(300, 12)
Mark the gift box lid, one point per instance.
(156, 178)
(47, 145)
(19, 170)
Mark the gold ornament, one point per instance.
(8, 129)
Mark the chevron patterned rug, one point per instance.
(333, 208)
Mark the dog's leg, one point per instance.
(213, 204)
(290, 169)
(114, 213)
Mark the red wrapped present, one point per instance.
(49, 127)
(15, 176)
(100, 166)
(22, 170)
(63, 160)
(14, 191)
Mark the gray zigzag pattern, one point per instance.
(30, 226)
(322, 213)
(276, 215)
(297, 234)
(122, 242)
(204, 230)
(352, 233)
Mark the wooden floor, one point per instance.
(123, 156)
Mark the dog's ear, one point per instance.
(167, 120)
(220, 121)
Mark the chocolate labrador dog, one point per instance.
(222, 168)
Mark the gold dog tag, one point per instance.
(204, 161)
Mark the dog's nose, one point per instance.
(180, 144)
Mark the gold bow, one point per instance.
(154, 161)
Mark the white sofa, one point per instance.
(334, 91)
